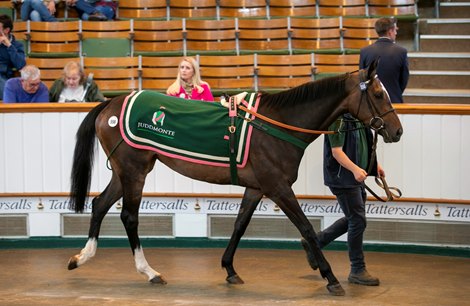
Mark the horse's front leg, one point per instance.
(284, 197)
(100, 207)
(250, 200)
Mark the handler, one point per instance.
(347, 156)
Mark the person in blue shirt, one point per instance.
(12, 55)
(38, 10)
(94, 10)
(26, 89)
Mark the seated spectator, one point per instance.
(94, 10)
(188, 84)
(73, 86)
(38, 10)
(26, 89)
(12, 55)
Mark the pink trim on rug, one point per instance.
(250, 130)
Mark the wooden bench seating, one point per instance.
(114, 75)
(228, 74)
(280, 72)
(142, 9)
(158, 72)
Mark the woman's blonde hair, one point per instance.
(73, 66)
(195, 81)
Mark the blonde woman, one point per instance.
(73, 86)
(188, 83)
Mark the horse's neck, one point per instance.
(325, 119)
(315, 115)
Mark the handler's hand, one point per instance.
(360, 174)
(4, 39)
(380, 171)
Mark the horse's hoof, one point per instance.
(234, 280)
(72, 263)
(158, 280)
(336, 289)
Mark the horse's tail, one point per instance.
(83, 158)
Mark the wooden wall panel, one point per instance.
(51, 152)
(451, 155)
(33, 152)
(14, 153)
(430, 176)
(3, 173)
(464, 173)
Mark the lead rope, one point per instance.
(381, 182)
(283, 125)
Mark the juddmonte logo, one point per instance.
(158, 119)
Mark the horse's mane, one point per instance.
(307, 92)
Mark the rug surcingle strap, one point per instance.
(232, 141)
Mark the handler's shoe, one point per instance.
(363, 278)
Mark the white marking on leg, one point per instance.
(142, 265)
(87, 252)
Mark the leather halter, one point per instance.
(377, 117)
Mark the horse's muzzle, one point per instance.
(388, 137)
(398, 135)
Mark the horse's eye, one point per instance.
(379, 94)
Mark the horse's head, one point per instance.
(370, 103)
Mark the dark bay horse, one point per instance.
(271, 169)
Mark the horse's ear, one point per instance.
(372, 70)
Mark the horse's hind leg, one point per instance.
(100, 207)
(250, 200)
(285, 198)
(132, 197)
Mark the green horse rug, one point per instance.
(191, 130)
